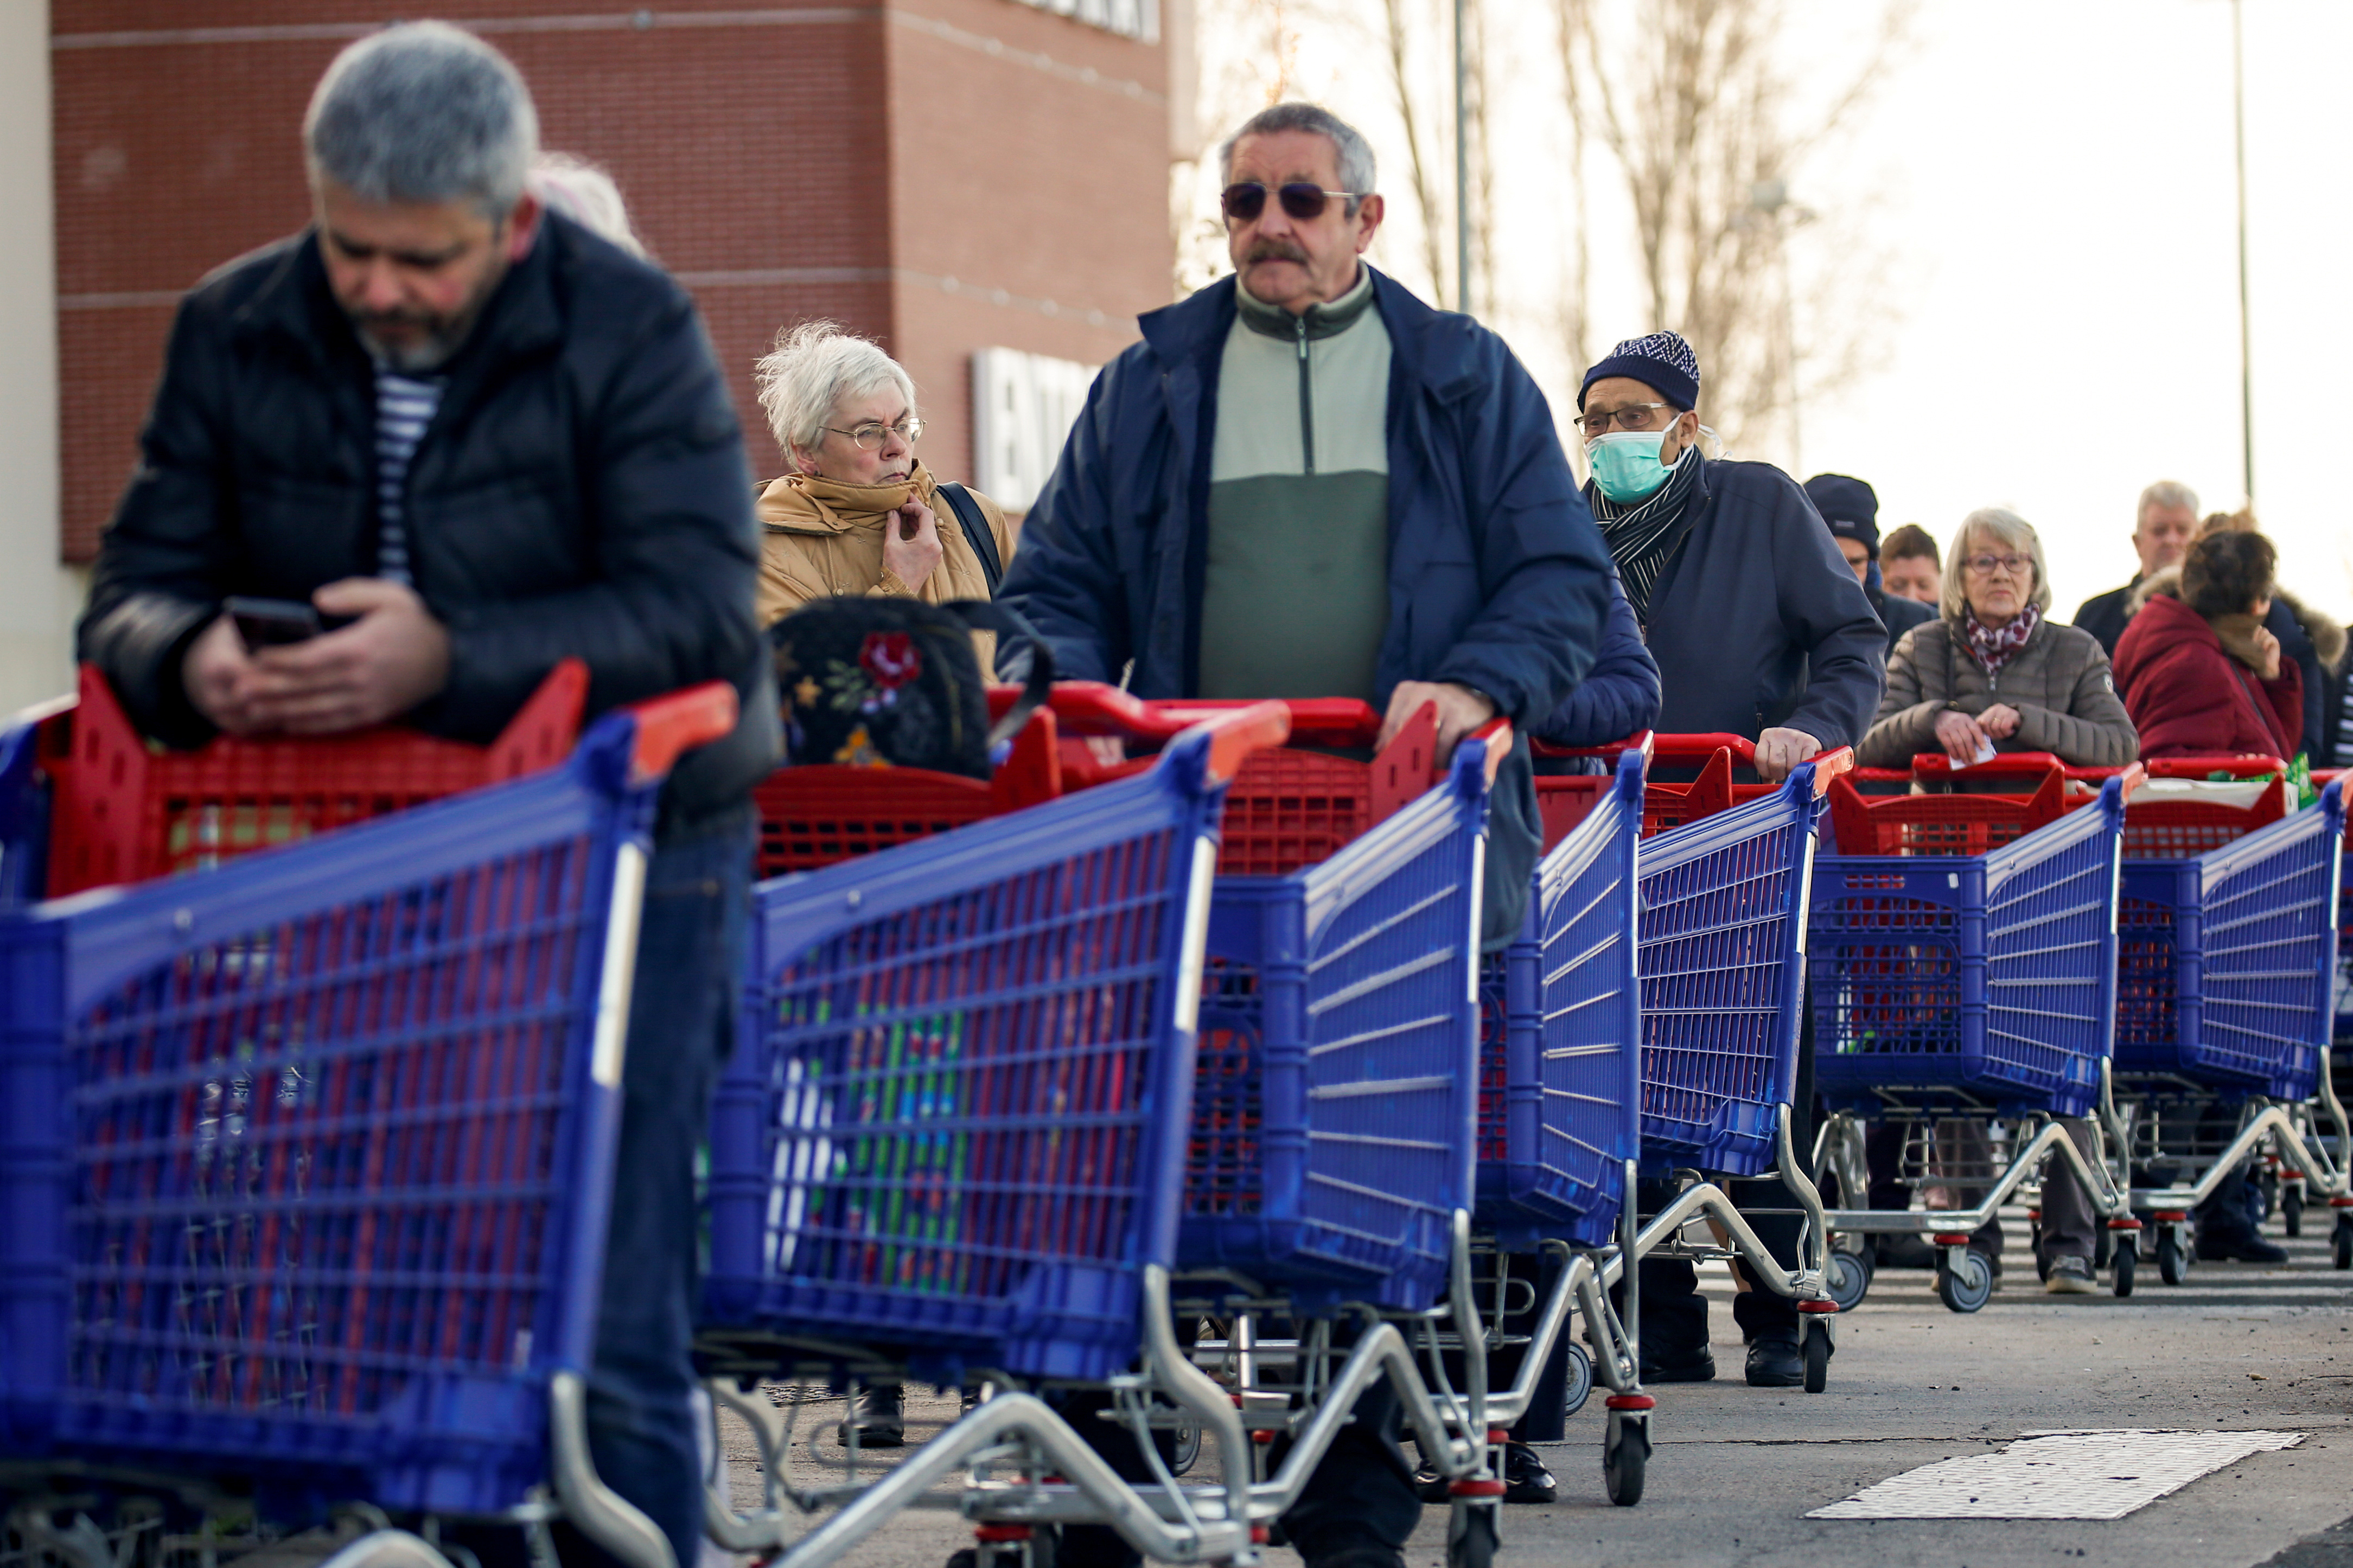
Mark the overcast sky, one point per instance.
(2049, 184)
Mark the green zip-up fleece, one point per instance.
(1295, 585)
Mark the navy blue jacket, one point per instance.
(1619, 696)
(1498, 576)
(1758, 621)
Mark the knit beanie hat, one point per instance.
(1663, 361)
(1849, 506)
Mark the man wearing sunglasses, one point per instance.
(1306, 482)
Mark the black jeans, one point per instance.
(1674, 1314)
(1359, 1497)
(681, 1025)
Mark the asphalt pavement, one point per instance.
(1736, 1469)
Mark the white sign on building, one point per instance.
(1138, 19)
(1023, 405)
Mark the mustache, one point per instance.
(1274, 251)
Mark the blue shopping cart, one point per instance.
(1560, 1065)
(307, 1159)
(955, 1128)
(1337, 1101)
(2226, 969)
(1723, 929)
(1965, 986)
(1723, 942)
(1560, 1096)
(951, 1146)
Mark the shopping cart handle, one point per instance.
(1699, 747)
(678, 721)
(1828, 765)
(1496, 734)
(1641, 741)
(1236, 734)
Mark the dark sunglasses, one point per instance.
(1244, 202)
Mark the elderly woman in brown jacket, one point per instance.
(1993, 673)
(858, 512)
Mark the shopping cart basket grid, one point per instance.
(329, 1184)
(1722, 926)
(963, 1078)
(1337, 1090)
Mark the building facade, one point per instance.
(948, 176)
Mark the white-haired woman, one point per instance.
(858, 512)
(1994, 671)
(1993, 674)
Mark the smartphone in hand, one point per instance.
(273, 623)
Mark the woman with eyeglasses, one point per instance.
(858, 512)
(1993, 673)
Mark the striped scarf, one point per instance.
(1643, 535)
(1993, 648)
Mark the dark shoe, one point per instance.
(2238, 1247)
(1694, 1367)
(1430, 1486)
(880, 1416)
(1905, 1252)
(1774, 1361)
(1525, 1480)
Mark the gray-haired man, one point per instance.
(492, 440)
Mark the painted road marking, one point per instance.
(2083, 1475)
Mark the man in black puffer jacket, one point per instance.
(492, 440)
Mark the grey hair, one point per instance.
(2165, 493)
(1357, 171)
(586, 194)
(814, 366)
(2009, 528)
(423, 112)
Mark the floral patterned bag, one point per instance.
(895, 683)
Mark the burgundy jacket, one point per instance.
(2189, 697)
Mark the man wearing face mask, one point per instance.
(1759, 628)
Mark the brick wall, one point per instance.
(944, 175)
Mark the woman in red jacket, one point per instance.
(2202, 678)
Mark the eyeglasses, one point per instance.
(2016, 565)
(1243, 202)
(1633, 416)
(870, 436)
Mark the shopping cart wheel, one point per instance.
(1848, 1279)
(1625, 1456)
(2343, 1243)
(2126, 1256)
(1186, 1448)
(1579, 1385)
(2103, 1252)
(2291, 1208)
(1816, 1348)
(2172, 1262)
(1470, 1535)
(1965, 1286)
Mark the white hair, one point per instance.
(2005, 527)
(1354, 154)
(423, 112)
(812, 368)
(586, 194)
(2165, 493)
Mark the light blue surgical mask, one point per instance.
(1625, 463)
